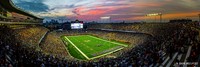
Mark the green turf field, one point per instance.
(87, 47)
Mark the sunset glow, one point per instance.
(118, 10)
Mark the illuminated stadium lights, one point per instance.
(156, 14)
(105, 19)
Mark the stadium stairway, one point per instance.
(172, 60)
(187, 55)
(164, 56)
(167, 62)
(43, 38)
(182, 57)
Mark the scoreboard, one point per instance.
(76, 25)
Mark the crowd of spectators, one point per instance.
(153, 52)
(150, 28)
(149, 51)
(53, 44)
(5, 44)
(31, 36)
(195, 54)
(14, 54)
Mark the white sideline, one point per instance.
(109, 41)
(78, 49)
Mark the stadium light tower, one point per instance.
(156, 14)
(199, 17)
(105, 19)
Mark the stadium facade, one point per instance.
(10, 13)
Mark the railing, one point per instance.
(43, 38)
(9, 22)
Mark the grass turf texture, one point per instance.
(87, 47)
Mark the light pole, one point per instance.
(110, 20)
(160, 14)
(199, 17)
(156, 14)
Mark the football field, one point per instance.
(87, 47)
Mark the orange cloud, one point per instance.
(166, 17)
(144, 4)
(181, 15)
(95, 12)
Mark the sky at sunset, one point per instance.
(118, 10)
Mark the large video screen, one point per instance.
(76, 25)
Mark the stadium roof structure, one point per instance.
(9, 5)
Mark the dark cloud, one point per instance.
(21, 1)
(33, 6)
(61, 7)
(76, 11)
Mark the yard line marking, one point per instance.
(78, 49)
(84, 44)
(108, 41)
(106, 53)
